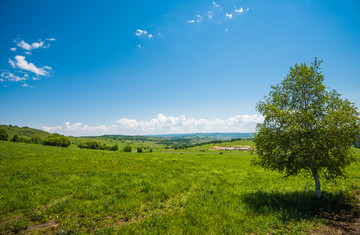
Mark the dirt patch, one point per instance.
(37, 228)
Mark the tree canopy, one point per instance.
(3, 134)
(306, 128)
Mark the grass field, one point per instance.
(71, 190)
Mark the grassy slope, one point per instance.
(24, 132)
(85, 190)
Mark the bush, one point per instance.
(15, 138)
(57, 140)
(36, 140)
(127, 148)
(139, 150)
(97, 146)
(3, 134)
(114, 148)
(90, 145)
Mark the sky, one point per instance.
(156, 67)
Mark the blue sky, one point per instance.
(150, 67)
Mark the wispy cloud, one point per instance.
(140, 32)
(230, 16)
(215, 4)
(13, 49)
(215, 15)
(35, 45)
(163, 125)
(210, 15)
(240, 10)
(21, 63)
(199, 18)
(8, 76)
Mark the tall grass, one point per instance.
(74, 190)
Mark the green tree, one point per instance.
(15, 138)
(57, 140)
(3, 134)
(127, 148)
(307, 129)
(139, 150)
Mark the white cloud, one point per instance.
(163, 125)
(23, 64)
(199, 18)
(140, 32)
(240, 10)
(35, 45)
(247, 9)
(210, 15)
(229, 15)
(215, 4)
(13, 49)
(150, 35)
(12, 63)
(226, 30)
(78, 129)
(8, 76)
(139, 46)
(190, 21)
(51, 39)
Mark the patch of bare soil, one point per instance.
(48, 227)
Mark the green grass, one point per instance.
(70, 190)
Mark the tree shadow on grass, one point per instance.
(337, 210)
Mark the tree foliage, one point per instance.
(3, 134)
(127, 148)
(97, 146)
(57, 140)
(307, 129)
(15, 138)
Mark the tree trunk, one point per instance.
(317, 184)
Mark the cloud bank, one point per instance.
(161, 125)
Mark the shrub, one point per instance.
(139, 150)
(57, 140)
(15, 138)
(36, 140)
(114, 148)
(127, 148)
(3, 134)
(90, 145)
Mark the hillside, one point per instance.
(25, 132)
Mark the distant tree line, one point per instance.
(53, 140)
(96, 145)
(185, 146)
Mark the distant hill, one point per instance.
(25, 132)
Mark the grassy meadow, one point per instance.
(72, 190)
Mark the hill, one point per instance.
(25, 131)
